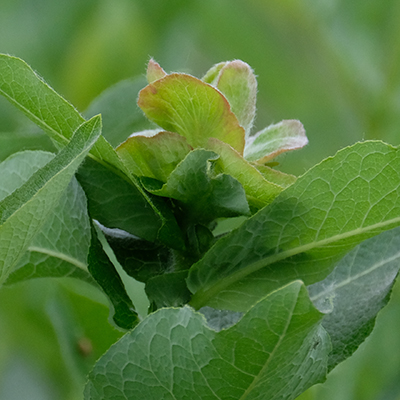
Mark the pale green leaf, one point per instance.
(275, 139)
(154, 157)
(154, 71)
(333, 207)
(183, 104)
(275, 351)
(237, 82)
(24, 211)
(355, 292)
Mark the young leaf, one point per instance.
(275, 139)
(203, 195)
(104, 273)
(236, 80)
(275, 351)
(355, 292)
(259, 191)
(274, 176)
(120, 114)
(23, 212)
(154, 157)
(183, 104)
(154, 71)
(333, 207)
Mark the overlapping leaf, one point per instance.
(274, 352)
(333, 207)
(204, 195)
(24, 211)
(28, 92)
(236, 80)
(356, 290)
(154, 157)
(183, 104)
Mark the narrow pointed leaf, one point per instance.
(23, 212)
(356, 290)
(275, 351)
(61, 247)
(154, 157)
(183, 104)
(20, 85)
(104, 273)
(259, 191)
(275, 139)
(333, 207)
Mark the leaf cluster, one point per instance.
(259, 282)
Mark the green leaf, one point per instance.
(183, 104)
(274, 176)
(120, 114)
(168, 290)
(154, 157)
(23, 212)
(333, 207)
(20, 85)
(203, 194)
(237, 82)
(154, 71)
(275, 139)
(259, 191)
(139, 258)
(61, 247)
(355, 292)
(103, 271)
(274, 352)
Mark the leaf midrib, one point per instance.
(202, 296)
(57, 254)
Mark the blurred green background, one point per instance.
(332, 64)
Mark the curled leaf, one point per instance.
(275, 139)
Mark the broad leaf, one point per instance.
(183, 104)
(333, 207)
(355, 292)
(259, 191)
(24, 211)
(104, 273)
(203, 194)
(275, 139)
(154, 157)
(120, 114)
(275, 351)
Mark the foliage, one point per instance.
(249, 271)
